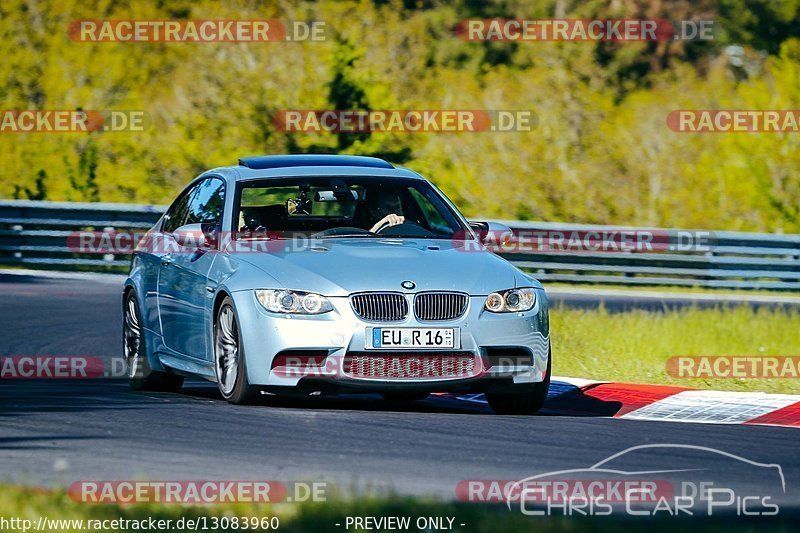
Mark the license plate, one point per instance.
(412, 338)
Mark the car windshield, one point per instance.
(344, 207)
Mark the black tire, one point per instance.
(404, 397)
(225, 323)
(521, 403)
(141, 376)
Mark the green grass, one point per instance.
(672, 288)
(322, 517)
(634, 346)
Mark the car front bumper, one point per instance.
(510, 350)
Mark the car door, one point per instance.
(183, 276)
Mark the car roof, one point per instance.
(261, 162)
(281, 166)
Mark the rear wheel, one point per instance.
(229, 360)
(521, 403)
(140, 375)
(404, 397)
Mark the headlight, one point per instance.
(511, 301)
(294, 302)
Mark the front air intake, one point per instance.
(380, 306)
(433, 306)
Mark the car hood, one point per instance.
(338, 267)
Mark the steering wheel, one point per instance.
(409, 228)
(342, 230)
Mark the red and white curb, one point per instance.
(582, 397)
(679, 404)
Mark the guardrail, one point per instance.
(36, 234)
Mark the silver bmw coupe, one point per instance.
(318, 274)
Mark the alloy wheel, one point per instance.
(226, 349)
(132, 330)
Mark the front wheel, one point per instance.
(521, 403)
(140, 376)
(229, 361)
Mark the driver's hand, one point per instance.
(388, 221)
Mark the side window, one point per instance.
(206, 202)
(179, 212)
(202, 203)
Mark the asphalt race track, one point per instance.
(105, 431)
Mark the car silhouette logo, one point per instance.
(408, 284)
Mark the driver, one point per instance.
(385, 206)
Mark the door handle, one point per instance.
(166, 260)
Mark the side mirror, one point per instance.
(492, 233)
(194, 236)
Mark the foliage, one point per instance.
(601, 152)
